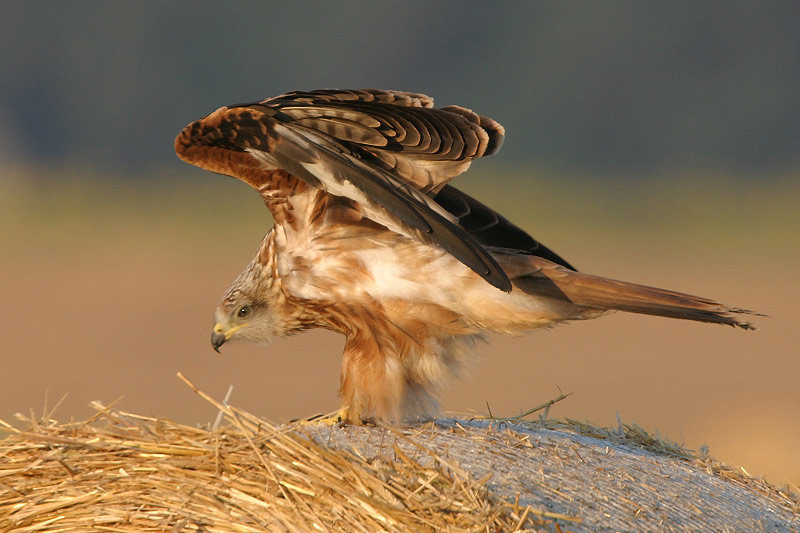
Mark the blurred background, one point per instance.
(653, 142)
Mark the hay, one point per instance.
(591, 479)
(123, 472)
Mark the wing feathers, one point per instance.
(344, 129)
(379, 192)
(400, 119)
(399, 98)
(494, 132)
(299, 113)
(383, 149)
(492, 229)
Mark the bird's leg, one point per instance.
(372, 380)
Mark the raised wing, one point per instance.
(387, 150)
(401, 132)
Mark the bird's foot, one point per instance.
(342, 417)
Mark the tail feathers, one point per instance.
(597, 292)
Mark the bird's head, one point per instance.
(247, 310)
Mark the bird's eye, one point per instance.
(243, 311)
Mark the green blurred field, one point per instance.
(108, 289)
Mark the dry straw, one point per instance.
(120, 472)
(123, 472)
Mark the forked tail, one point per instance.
(597, 292)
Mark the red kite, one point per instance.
(370, 241)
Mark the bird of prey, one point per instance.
(370, 241)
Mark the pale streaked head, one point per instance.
(245, 313)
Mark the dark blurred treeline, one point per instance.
(624, 86)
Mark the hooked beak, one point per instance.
(220, 335)
(217, 339)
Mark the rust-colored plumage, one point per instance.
(370, 241)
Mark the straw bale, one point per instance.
(588, 478)
(123, 472)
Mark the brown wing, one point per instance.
(401, 132)
(386, 150)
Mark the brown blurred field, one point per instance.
(108, 291)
